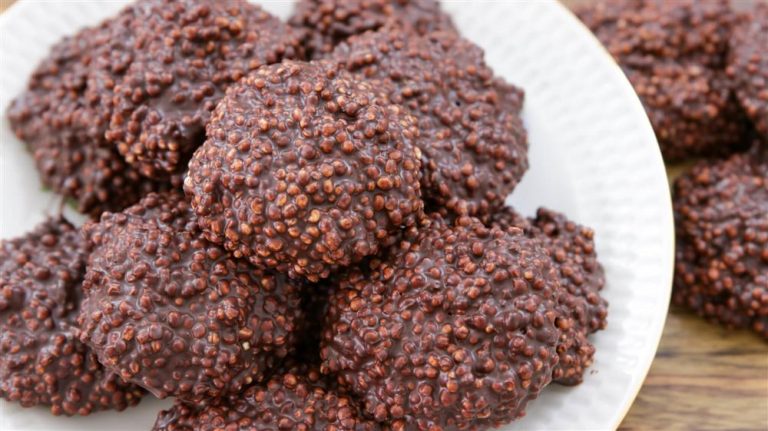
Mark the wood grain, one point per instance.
(4, 4)
(703, 377)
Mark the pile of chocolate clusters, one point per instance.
(294, 226)
(701, 70)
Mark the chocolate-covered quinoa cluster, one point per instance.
(296, 399)
(456, 330)
(63, 115)
(326, 23)
(721, 212)
(175, 313)
(473, 142)
(674, 54)
(306, 170)
(142, 85)
(186, 53)
(748, 65)
(42, 362)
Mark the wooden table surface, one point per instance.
(703, 377)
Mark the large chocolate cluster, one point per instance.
(457, 329)
(306, 169)
(176, 314)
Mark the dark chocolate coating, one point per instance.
(326, 23)
(186, 54)
(42, 362)
(455, 330)
(748, 65)
(306, 170)
(572, 249)
(472, 139)
(295, 400)
(174, 313)
(674, 54)
(314, 303)
(721, 217)
(65, 111)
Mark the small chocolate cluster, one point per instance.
(42, 361)
(674, 54)
(721, 212)
(473, 141)
(306, 169)
(327, 23)
(176, 314)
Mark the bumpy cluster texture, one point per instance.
(306, 169)
(748, 65)
(572, 249)
(63, 115)
(326, 23)
(176, 314)
(185, 54)
(42, 362)
(674, 53)
(455, 330)
(296, 399)
(721, 211)
(472, 139)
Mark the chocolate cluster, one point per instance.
(306, 169)
(457, 329)
(42, 361)
(675, 54)
(115, 111)
(721, 213)
(748, 65)
(176, 314)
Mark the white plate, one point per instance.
(593, 155)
